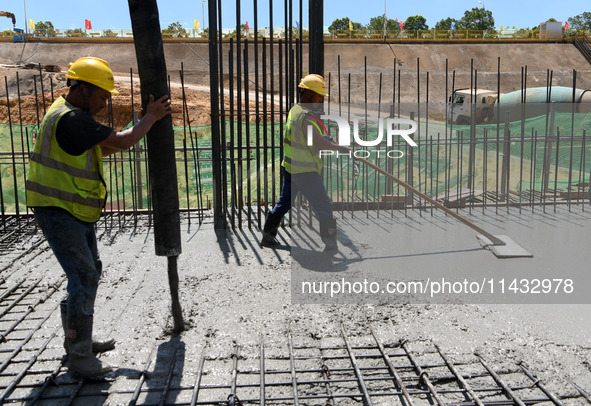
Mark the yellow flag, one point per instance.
(350, 26)
(501, 27)
(31, 24)
(196, 24)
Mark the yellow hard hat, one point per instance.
(93, 70)
(314, 83)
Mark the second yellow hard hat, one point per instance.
(314, 83)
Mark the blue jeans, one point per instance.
(311, 186)
(73, 243)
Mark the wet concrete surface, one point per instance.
(238, 297)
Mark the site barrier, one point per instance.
(362, 35)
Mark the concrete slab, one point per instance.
(237, 295)
(439, 260)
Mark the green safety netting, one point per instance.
(439, 162)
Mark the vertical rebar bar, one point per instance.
(42, 91)
(541, 386)
(265, 146)
(169, 376)
(24, 139)
(418, 132)
(142, 378)
(423, 377)
(360, 381)
(397, 378)
(459, 377)
(272, 117)
(233, 398)
(499, 381)
(233, 167)
(282, 100)
(556, 168)
(257, 112)
(13, 156)
(583, 160)
(36, 100)
(197, 385)
(186, 159)
(221, 122)
(240, 173)
(294, 381)
(572, 129)
(247, 131)
(262, 373)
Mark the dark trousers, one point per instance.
(311, 186)
(73, 243)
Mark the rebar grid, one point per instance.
(351, 367)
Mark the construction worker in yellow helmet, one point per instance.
(302, 166)
(66, 190)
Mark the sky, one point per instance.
(114, 14)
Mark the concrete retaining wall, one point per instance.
(560, 58)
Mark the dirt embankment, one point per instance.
(29, 109)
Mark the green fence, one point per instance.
(447, 158)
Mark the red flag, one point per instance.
(566, 26)
(247, 29)
(401, 26)
(87, 25)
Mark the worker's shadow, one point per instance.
(308, 252)
(167, 372)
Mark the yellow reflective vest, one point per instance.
(58, 179)
(298, 156)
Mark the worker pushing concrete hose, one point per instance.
(66, 190)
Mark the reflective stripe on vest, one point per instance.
(298, 156)
(58, 179)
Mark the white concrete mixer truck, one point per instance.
(487, 107)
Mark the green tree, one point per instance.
(341, 24)
(176, 29)
(446, 24)
(76, 32)
(44, 29)
(477, 19)
(416, 23)
(377, 24)
(580, 22)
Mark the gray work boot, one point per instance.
(270, 230)
(97, 346)
(81, 359)
(328, 233)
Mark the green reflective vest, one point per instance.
(298, 156)
(58, 179)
